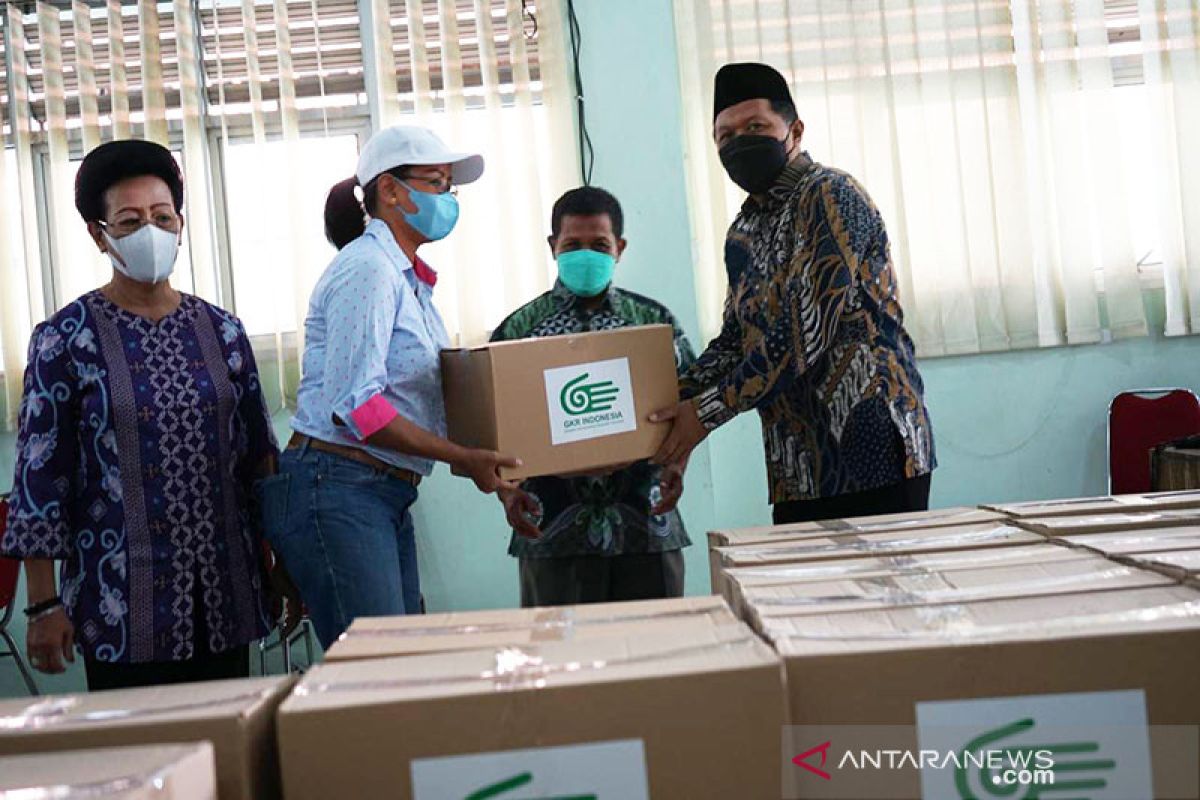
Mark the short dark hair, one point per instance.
(587, 201)
(113, 162)
(785, 109)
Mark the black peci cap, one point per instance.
(736, 83)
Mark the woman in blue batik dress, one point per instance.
(142, 430)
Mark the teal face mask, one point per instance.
(586, 273)
(436, 214)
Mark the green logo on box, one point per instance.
(503, 787)
(1036, 771)
(578, 398)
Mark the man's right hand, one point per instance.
(50, 641)
(483, 467)
(519, 506)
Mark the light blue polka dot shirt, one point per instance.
(372, 330)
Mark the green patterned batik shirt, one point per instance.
(606, 515)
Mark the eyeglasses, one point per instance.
(438, 185)
(129, 225)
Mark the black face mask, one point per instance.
(754, 162)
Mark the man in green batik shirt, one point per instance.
(602, 537)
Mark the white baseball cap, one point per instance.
(410, 145)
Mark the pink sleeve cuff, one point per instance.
(372, 416)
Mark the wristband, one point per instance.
(40, 608)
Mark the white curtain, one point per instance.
(496, 258)
(253, 87)
(1170, 32)
(994, 137)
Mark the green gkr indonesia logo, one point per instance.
(578, 398)
(502, 790)
(988, 768)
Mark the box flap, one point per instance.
(949, 586)
(1099, 505)
(529, 668)
(1025, 619)
(834, 569)
(1187, 560)
(1112, 521)
(192, 701)
(938, 518)
(430, 633)
(857, 545)
(106, 771)
(1121, 542)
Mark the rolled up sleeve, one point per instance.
(361, 312)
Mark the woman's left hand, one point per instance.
(286, 605)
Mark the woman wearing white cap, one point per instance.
(370, 420)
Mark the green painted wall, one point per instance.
(1009, 426)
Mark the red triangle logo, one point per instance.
(802, 760)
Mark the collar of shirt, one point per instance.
(569, 301)
(788, 180)
(378, 230)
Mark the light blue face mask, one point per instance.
(586, 273)
(436, 214)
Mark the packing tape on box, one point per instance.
(1120, 519)
(548, 625)
(856, 543)
(150, 784)
(928, 521)
(954, 623)
(1109, 540)
(890, 591)
(58, 710)
(902, 564)
(520, 668)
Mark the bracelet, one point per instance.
(37, 609)
(49, 612)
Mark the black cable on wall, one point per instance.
(587, 154)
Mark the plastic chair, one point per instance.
(1140, 420)
(10, 569)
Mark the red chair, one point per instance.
(10, 569)
(1139, 421)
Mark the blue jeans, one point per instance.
(345, 534)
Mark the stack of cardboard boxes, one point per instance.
(237, 717)
(907, 634)
(1024, 630)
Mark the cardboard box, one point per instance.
(744, 579)
(563, 403)
(853, 545)
(1105, 523)
(1121, 543)
(238, 717)
(946, 586)
(178, 772)
(1182, 565)
(1077, 506)
(1056, 660)
(380, 637)
(668, 716)
(883, 523)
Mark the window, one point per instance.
(259, 210)
(265, 103)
